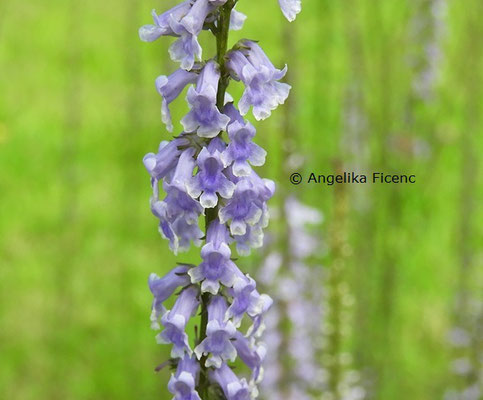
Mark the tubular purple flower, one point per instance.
(216, 267)
(161, 27)
(247, 206)
(251, 354)
(178, 212)
(204, 174)
(262, 89)
(252, 239)
(242, 150)
(204, 117)
(169, 87)
(219, 334)
(163, 288)
(183, 383)
(242, 209)
(210, 179)
(175, 320)
(233, 388)
(290, 8)
(246, 300)
(187, 48)
(164, 162)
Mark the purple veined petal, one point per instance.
(252, 239)
(243, 292)
(233, 388)
(256, 71)
(219, 334)
(161, 27)
(210, 179)
(175, 320)
(233, 113)
(290, 8)
(216, 266)
(149, 33)
(204, 117)
(169, 87)
(163, 288)
(193, 21)
(161, 164)
(186, 234)
(241, 149)
(260, 60)
(251, 354)
(185, 50)
(183, 383)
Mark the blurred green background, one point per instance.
(78, 110)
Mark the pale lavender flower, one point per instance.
(246, 300)
(183, 383)
(241, 150)
(299, 216)
(187, 48)
(252, 239)
(162, 27)
(204, 117)
(237, 19)
(163, 288)
(202, 174)
(216, 266)
(210, 179)
(233, 388)
(247, 207)
(178, 212)
(251, 353)
(262, 89)
(160, 165)
(219, 334)
(175, 320)
(290, 8)
(170, 87)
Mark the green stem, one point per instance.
(221, 49)
(211, 214)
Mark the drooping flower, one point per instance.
(233, 388)
(262, 90)
(247, 207)
(175, 320)
(162, 27)
(241, 150)
(187, 48)
(183, 383)
(160, 165)
(216, 266)
(170, 87)
(251, 353)
(204, 117)
(163, 288)
(178, 212)
(210, 179)
(219, 335)
(290, 8)
(246, 300)
(203, 174)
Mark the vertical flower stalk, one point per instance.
(206, 172)
(294, 325)
(291, 274)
